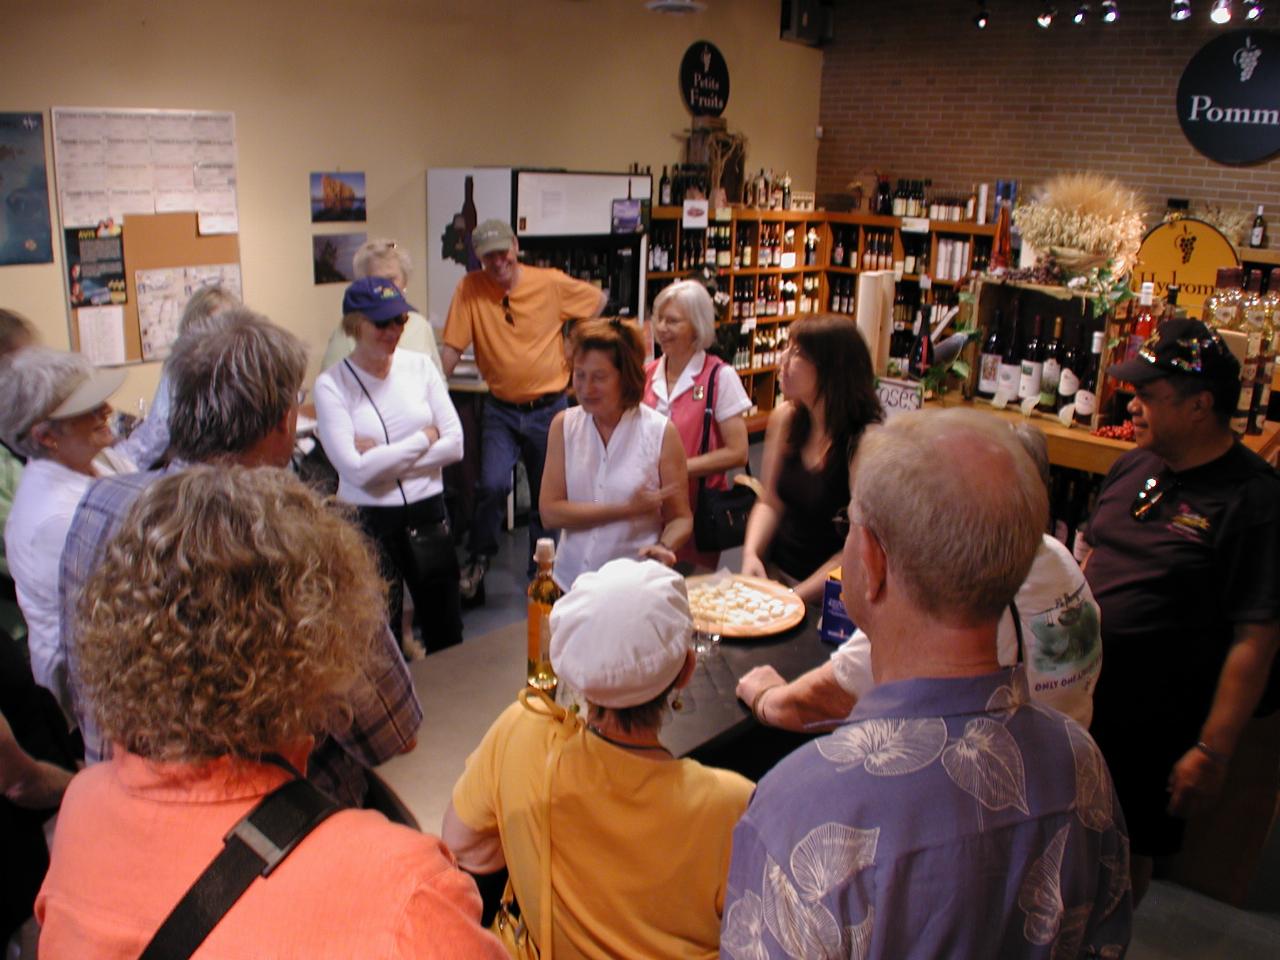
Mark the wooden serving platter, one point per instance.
(751, 606)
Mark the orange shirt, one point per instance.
(133, 836)
(524, 359)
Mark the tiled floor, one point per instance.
(464, 688)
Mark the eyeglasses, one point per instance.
(506, 311)
(399, 321)
(1152, 492)
(841, 522)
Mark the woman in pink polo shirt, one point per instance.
(679, 386)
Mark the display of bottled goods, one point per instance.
(767, 191)
(542, 593)
(1248, 320)
(844, 246)
(841, 294)
(989, 358)
(1258, 232)
(1087, 393)
(1031, 367)
(1052, 356)
(811, 247)
(952, 262)
(877, 254)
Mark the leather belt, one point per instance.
(537, 403)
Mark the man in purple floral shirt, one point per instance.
(951, 816)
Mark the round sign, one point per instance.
(1229, 97)
(704, 80)
(1186, 252)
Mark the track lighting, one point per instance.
(1180, 10)
(1044, 19)
(1110, 14)
(1221, 12)
(982, 18)
(1252, 9)
(1081, 15)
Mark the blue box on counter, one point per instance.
(835, 627)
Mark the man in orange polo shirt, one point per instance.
(513, 313)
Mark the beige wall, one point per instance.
(392, 88)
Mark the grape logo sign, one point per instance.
(1186, 252)
(1229, 97)
(704, 80)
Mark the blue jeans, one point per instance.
(509, 434)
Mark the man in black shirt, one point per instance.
(1184, 560)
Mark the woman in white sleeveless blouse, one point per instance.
(615, 480)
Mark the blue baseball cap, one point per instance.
(376, 298)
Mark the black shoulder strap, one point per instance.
(369, 396)
(1017, 632)
(254, 847)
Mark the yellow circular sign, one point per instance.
(1186, 252)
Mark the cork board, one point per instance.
(161, 241)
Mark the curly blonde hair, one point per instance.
(230, 616)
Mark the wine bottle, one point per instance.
(1031, 368)
(1258, 235)
(989, 360)
(1087, 394)
(1076, 359)
(920, 359)
(1143, 321)
(1051, 371)
(837, 250)
(543, 593)
(1010, 370)
(664, 188)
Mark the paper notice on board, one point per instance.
(163, 295)
(102, 334)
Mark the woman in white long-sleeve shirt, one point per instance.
(389, 428)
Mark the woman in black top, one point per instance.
(829, 384)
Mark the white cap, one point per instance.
(621, 635)
(89, 394)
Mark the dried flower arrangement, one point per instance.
(1084, 220)
(1232, 221)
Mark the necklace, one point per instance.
(623, 744)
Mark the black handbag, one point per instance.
(719, 516)
(431, 546)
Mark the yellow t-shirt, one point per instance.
(524, 359)
(640, 847)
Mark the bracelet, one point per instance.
(755, 704)
(1218, 758)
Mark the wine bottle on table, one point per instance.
(1051, 371)
(1073, 364)
(1010, 370)
(1087, 394)
(989, 359)
(1032, 366)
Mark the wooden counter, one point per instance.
(1076, 448)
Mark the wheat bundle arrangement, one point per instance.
(1084, 220)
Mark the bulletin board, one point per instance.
(157, 242)
(146, 198)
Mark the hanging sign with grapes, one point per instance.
(1229, 97)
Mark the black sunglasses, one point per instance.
(1152, 492)
(506, 311)
(399, 321)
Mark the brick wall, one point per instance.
(911, 88)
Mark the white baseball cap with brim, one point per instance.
(621, 635)
(90, 394)
(492, 236)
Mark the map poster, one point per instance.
(95, 266)
(24, 191)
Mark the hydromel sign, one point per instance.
(1229, 97)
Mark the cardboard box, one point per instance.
(835, 627)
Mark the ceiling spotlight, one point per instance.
(1109, 12)
(1252, 9)
(1221, 12)
(982, 18)
(1044, 19)
(1180, 10)
(1081, 15)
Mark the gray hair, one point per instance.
(692, 300)
(375, 255)
(957, 506)
(232, 385)
(15, 331)
(1035, 445)
(205, 304)
(33, 383)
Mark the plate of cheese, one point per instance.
(735, 605)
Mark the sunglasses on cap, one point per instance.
(399, 321)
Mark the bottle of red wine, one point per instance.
(921, 356)
(989, 360)
(1087, 394)
(1010, 370)
(1032, 366)
(1077, 357)
(664, 188)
